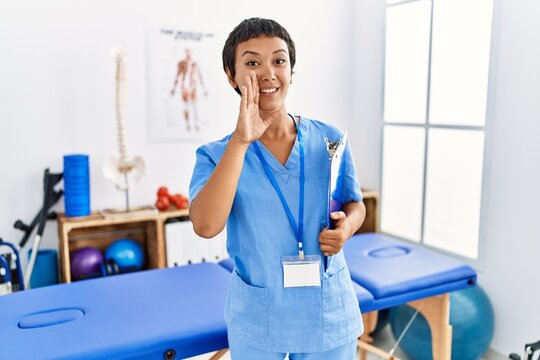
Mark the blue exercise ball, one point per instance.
(127, 254)
(472, 320)
(383, 320)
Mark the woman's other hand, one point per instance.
(332, 241)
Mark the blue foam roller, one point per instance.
(76, 185)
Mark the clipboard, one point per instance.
(335, 150)
(335, 184)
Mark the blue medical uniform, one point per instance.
(260, 312)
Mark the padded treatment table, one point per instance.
(140, 315)
(396, 272)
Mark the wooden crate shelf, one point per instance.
(96, 231)
(149, 232)
(371, 201)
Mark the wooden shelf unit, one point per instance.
(96, 231)
(371, 201)
(149, 232)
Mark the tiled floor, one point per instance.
(384, 341)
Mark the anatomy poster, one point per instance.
(180, 66)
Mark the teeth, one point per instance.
(268, 91)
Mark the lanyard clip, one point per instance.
(301, 251)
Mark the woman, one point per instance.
(291, 291)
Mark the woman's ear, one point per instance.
(230, 78)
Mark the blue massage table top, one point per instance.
(396, 272)
(138, 315)
(227, 264)
(365, 298)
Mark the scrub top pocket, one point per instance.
(248, 307)
(294, 311)
(337, 265)
(341, 310)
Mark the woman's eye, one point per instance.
(251, 63)
(280, 61)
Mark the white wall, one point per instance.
(509, 265)
(56, 97)
(512, 231)
(57, 87)
(368, 62)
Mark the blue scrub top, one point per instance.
(260, 312)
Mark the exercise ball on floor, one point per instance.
(127, 254)
(382, 321)
(472, 320)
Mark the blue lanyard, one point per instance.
(298, 230)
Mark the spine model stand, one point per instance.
(124, 171)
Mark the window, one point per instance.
(435, 96)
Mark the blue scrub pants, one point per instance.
(240, 351)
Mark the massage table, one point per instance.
(395, 273)
(154, 314)
(178, 312)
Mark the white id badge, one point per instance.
(301, 272)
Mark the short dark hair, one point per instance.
(249, 29)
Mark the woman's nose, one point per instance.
(267, 73)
